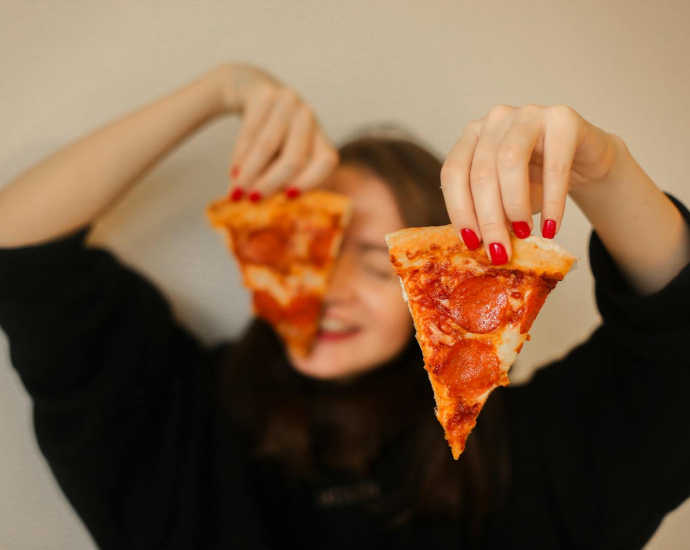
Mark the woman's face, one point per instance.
(365, 321)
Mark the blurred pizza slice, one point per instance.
(471, 317)
(285, 248)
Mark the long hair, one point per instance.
(303, 424)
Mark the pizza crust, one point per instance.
(317, 203)
(541, 256)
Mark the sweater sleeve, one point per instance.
(114, 381)
(610, 420)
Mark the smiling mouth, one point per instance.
(333, 330)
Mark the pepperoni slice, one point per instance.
(471, 368)
(479, 304)
(265, 246)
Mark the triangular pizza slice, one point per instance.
(285, 248)
(471, 316)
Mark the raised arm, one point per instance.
(279, 143)
(121, 391)
(606, 426)
(638, 224)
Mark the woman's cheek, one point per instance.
(389, 314)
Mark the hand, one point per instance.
(518, 161)
(280, 145)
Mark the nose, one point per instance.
(342, 280)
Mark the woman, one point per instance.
(160, 443)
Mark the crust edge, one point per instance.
(541, 256)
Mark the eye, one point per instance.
(381, 272)
(373, 261)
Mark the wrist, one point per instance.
(220, 81)
(621, 166)
(625, 183)
(235, 81)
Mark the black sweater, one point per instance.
(126, 415)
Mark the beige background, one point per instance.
(432, 66)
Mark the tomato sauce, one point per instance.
(301, 311)
(267, 307)
(533, 304)
(464, 420)
(304, 310)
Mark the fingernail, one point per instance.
(234, 172)
(521, 229)
(292, 192)
(498, 253)
(470, 238)
(236, 194)
(548, 230)
(255, 196)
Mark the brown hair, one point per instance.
(303, 424)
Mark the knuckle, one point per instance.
(306, 111)
(500, 111)
(551, 205)
(265, 92)
(556, 169)
(462, 213)
(492, 227)
(289, 96)
(515, 208)
(292, 165)
(530, 109)
(564, 113)
(331, 157)
(473, 127)
(509, 157)
(481, 174)
(265, 150)
(450, 173)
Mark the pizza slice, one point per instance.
(285, 248)
(471, 317)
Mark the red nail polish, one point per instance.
(292, 192)
(498, 253)
(236, 194)
(470, 238)
(548, 230)
(255, 196)
(521, 230)
(234, 172)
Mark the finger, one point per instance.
(254, 118)
(535, 191)
(269, 139)
(323, 161)
(560, 144)
(455, 184)
(512, 162)
(294, 153)
(488, 203)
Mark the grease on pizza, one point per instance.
(471, 317)
(285, 249)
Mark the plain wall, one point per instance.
(432, 66)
